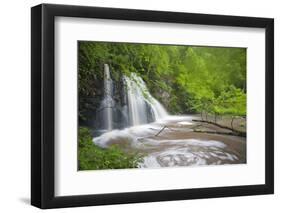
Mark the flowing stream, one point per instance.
(163, 139)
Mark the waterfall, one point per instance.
(107, 103)
(141, 104)
(133, 104)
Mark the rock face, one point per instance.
(125, 102)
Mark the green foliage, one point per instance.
(92, 157)
(183, 78)
(231, 101)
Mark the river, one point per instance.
(171, 142)
(164, 140)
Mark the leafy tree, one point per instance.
(232, 101)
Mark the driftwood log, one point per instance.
(233, 131)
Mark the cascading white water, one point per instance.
(107, 102)
(134, 104)
(140, 101)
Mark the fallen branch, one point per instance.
(221, 133)
(161, 130)
(234, 132)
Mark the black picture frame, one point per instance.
(43, 102)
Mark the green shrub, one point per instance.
(93, 157)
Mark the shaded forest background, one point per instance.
(185, 79)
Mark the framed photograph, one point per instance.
(139, 106)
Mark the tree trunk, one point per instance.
(232, 119)
(241, 134)
(215, 118)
